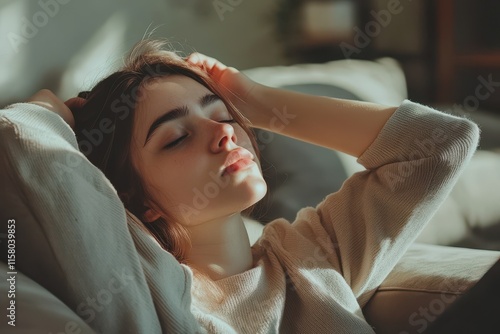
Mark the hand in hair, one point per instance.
(49, 100)
(237, 86)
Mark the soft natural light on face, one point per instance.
(97, 57)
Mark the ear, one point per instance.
(150, 216)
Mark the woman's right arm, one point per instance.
(48, 100)
(343, 125)
(72, 233)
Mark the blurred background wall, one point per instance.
(444, 46)
(66, 45)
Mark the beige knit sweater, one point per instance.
(311, 276)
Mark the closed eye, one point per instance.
(175, 142)
(181, 139)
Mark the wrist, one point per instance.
(255, 107)
(48, 100)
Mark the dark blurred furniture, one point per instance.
(468, 53)
(448, 49)
(408, 36)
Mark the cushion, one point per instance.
(36, 309)
(470, 216)
(381, 81)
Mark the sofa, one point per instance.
(459, 244)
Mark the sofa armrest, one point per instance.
(427, 280)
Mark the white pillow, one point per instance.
(473, 204)
(380, 81)
(477, 191)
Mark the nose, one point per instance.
(224, 136)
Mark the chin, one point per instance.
(260, 190)
(245, 194)
(256, 187)
(230, 198)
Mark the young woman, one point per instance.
(173, 136)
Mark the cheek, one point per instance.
(170, 170)
(176, 174)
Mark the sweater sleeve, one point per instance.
(411, 168)
(75, 238)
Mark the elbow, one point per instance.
(460, 142)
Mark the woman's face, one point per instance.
(181, 156)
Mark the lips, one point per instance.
(235, 156)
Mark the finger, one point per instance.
(197, 58)
(193, 58)
(205, 62)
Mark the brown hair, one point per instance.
(103, 127)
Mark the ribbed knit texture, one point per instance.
(311, 276)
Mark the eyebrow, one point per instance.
(179, 112)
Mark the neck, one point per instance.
(220, 248)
